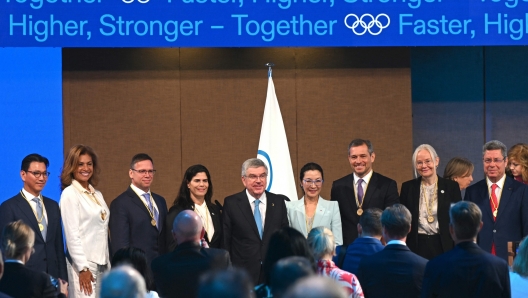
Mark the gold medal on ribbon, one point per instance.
(103, 215)
(153, 222)
(359, 211)
(41, 227)
(430, 219)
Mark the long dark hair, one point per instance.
(183, 199)
(136, 258)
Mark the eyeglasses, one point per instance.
(38, 174)
(427, 162)
(145, 172)
(255, 177)
(309, 182)
(496, 160)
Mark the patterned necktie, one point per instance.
(360, 190)
(494, 204)
(151, 208)
(39, 216)
(258, 219)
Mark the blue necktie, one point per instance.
(258, 219)
(40, 216)
(151, 208)
(360, 190)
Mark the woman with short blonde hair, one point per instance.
(460, 170)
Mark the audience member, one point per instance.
(41, 214)
(460, 170)
(466, 270)
(229, 283)
(85, 220)
(428, 198)
(362, 189)
(368, 242)
(502, 201)
(395, 271)
(18, 280)
(286, 272)
(138, 215)
(2, 295)
(316, 287)
(251, 217)
(322, 243)
(312, 210)
(519, 273)
(123, 282)
(518, 162)
(196, 191)
(285, 242)
(136, 258)
(176, 273)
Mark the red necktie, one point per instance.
(494, 204)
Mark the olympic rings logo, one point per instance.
(374, 21)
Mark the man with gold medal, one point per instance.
(42, 214)
(138, 215)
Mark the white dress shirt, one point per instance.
(33, 204)
(140, 193)
(364, 184)
(205, 215)
(498, 190)
(262, 206)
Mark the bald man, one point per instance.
(177, 273)
(123, 281)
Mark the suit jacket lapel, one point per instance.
(245, 209)
(484, 196)
(215, 217)
(28, 211)
(371, 189)
(136, 200)
(319, 211)
(505, 196)
(416, 200)
(443, 202)
(50, 211)
(270, 213)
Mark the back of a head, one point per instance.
(316, 287)
(396, 220)
(136, 258)
(370, 222)
(187, 226)
(287, 271)
(123, 282)
(321, 241)
(465, 219)
(230, 283)
(17, 237)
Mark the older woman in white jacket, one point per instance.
(85, 221)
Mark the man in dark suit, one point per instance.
(251, 217)
(503, 201)
(362, 189)
(138, 215)
(395, 271)
(368, 243)
(466, 270)
(42, 214)
(177, 273)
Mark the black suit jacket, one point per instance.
(511, 223)
(448, 193)
(216, 241)
(130, 225)
(381, 193)
(466, 271)
(21, 282)
(49, 255)
(393, 272)
(241, 237)
(177, 273)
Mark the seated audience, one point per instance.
(229, 283)
(19, 281)
(368, 242)
(176, 274)
(459, 169)
(285, 242)
(519, 274)
(123, 282)
(136, 258)
(322, 243)
(316, 287)
(286, 272)
(518, 162)
(395, 271)
(466, 270)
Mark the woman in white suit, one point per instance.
(312, 210)
(85, 221)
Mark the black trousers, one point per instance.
(429, 246)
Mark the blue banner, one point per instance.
(262, 23)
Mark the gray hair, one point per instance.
(123, 282)
(360, 142)
(316, 287)
(465, 217)
(495, 145)
(396, 220)
(321, 241)
(253, 163)
(429, 149)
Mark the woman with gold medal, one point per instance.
(85, 221)
(429, 198)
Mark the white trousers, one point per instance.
(74, 288)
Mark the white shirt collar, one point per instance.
(499, 183)
(28, 196)
(14, 261)
(139, 192)
(252, 199)
(397, 242)
(366, 178)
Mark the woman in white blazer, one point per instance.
(85, 221)
(312, 210)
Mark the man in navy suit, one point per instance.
(395, 271)
(368, 243)
(42, 214)
(466, 270)
(362, 189)
(503, 201)
(138, 215)
(251, 217)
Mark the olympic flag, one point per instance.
(273, 148)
